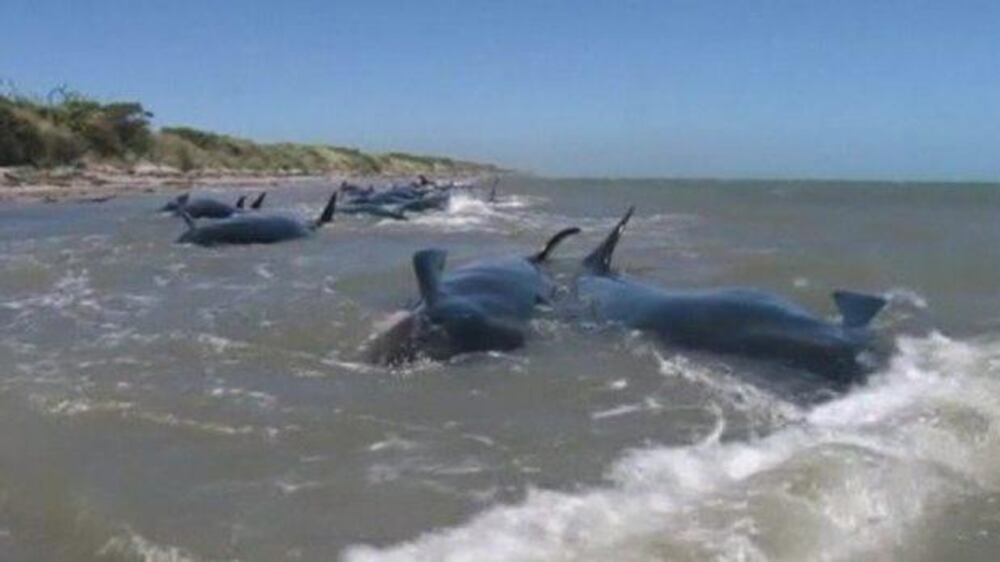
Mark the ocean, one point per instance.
(161, 402)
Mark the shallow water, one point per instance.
(163, 402)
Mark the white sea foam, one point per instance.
(464, 213)
(852, 477)
(907, 296)
(138, 547)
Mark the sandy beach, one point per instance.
(97, 184)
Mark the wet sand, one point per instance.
(100, 184)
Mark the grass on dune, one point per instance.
(67, 128)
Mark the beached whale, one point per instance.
(432, 201)
(207, 208)
(483, 306)
(392, 196)
(371, 209)
(736, 321)
(253, 228)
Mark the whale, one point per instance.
(482, 306)
(371, 209)
(737, 321)
(257, 228)
(394, 196)
(207, 208)
(433, 201)
(396, 201)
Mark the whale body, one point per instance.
(482, 306)
(738, 321)
(253, 228)
(208, 208)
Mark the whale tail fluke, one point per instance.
(241, 201)
(552, 243)
(328, 211)
(857, 309)
(428, 266)
(258, 201)
(599, 261)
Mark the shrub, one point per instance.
(20, 141)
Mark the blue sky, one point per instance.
(856, 89)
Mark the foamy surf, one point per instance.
(131, 545)
(464, 213)
(857, 476)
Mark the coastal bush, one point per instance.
(26, 139)
(175, 151)
(66, 127)
(33, 132)
(20, 142)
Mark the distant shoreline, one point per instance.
(70, 146)
(22, 185)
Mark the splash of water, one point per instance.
(854, 476)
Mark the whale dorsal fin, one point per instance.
(241, 201)
(182, 200)
(493, 191)
(599, 261)
(552, 243)
(327, 214)
(857, 309)
(428, 266)
(258, 201)
(187, 218)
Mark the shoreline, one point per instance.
(88, 185)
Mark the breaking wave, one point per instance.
(854, 476)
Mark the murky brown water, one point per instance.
(163, 402)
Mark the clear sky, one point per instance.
(744, 88)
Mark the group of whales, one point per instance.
(235, 225)
(487, 305)
(207, 208)
(416, 197)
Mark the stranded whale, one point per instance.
(253, 228)
(737, 321)
(483, 306)
(207, 208)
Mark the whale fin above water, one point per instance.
(552, 243)
(241, 201)
(428, 266)
(187, 218)
(328, 211)
(183, 199)
(493, 191)
(258, 201)
(857, 309)
(599, 261)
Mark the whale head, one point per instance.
(443, 324)
(443, 330)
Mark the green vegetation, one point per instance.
(69, 129)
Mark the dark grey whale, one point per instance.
(483, 306)
(429, 202)
(253, 228)
(736, 321)
(207, 208)
(371, 209)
